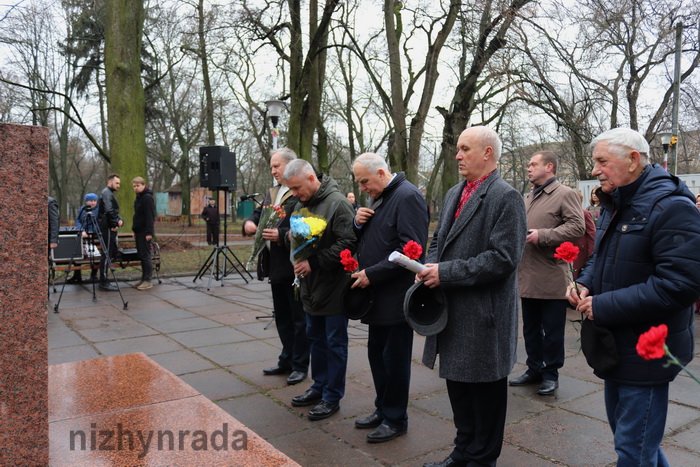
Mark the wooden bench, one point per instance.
(126, 255)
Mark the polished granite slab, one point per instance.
(129, 410)
(24, 159)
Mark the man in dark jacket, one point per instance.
(144, 229)
(290, 318)
(54, 217)
(645, 271)
(397, 214)
(210, 214)
(321, 279)
(474, 256)
(109, 221)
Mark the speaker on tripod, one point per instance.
(217, 167)
(217, 171)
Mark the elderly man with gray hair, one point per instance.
(397, 214)
(290, 318)
(645, 272)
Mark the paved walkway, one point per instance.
(214, 341)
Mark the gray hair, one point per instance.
(372, 162)
(621, 141)
(489, 137)
(298, 168)
(285, 153)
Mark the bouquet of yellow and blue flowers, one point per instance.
(270, 218)
(306, 229)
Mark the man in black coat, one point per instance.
(397, 214)
(109, 221)
(144, 229)
(290, 318)
(210, 214)
(54, 217)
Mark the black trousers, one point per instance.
(143, 249)
(212, 234)
(480, 418)
(389, 353)
(544, 323)
(110, 238)
(290, 320)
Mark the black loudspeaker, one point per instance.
(217, 167)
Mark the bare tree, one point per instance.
(494, 22)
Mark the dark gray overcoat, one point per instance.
(478, 256)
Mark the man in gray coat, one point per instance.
(474, 257)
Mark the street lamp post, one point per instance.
(274, 109)
(665, 141)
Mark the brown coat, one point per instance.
(557, 215)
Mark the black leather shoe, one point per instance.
(75, 280)
(108, 287)
(547, 387)
(308, 398)
(448, 462)
(384, 433)
(524, 379)
(276, 370)
(296, 377)
(323, 410)
(373, 421)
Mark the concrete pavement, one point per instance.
(214, 341)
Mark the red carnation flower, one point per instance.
(412, 249)
(567, 251)
(349, 263)
(652, 343)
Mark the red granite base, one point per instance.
(129, 410)
(23, 294)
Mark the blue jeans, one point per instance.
(328, 339)
(637, 416)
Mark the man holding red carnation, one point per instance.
(473, 257)
(645, 272)
(396, 220)
(554, 216)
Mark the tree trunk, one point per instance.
(125, 98)
(211, 136)
(306, 74)
(398, 148)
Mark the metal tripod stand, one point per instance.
(91, 225)
(220, 263)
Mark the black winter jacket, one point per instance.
(54, 218)
(646, 271)
(320, 290)
(107, 210)
(400, 215)
(211, 216)
(144, 213)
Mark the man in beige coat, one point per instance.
(554, 216)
